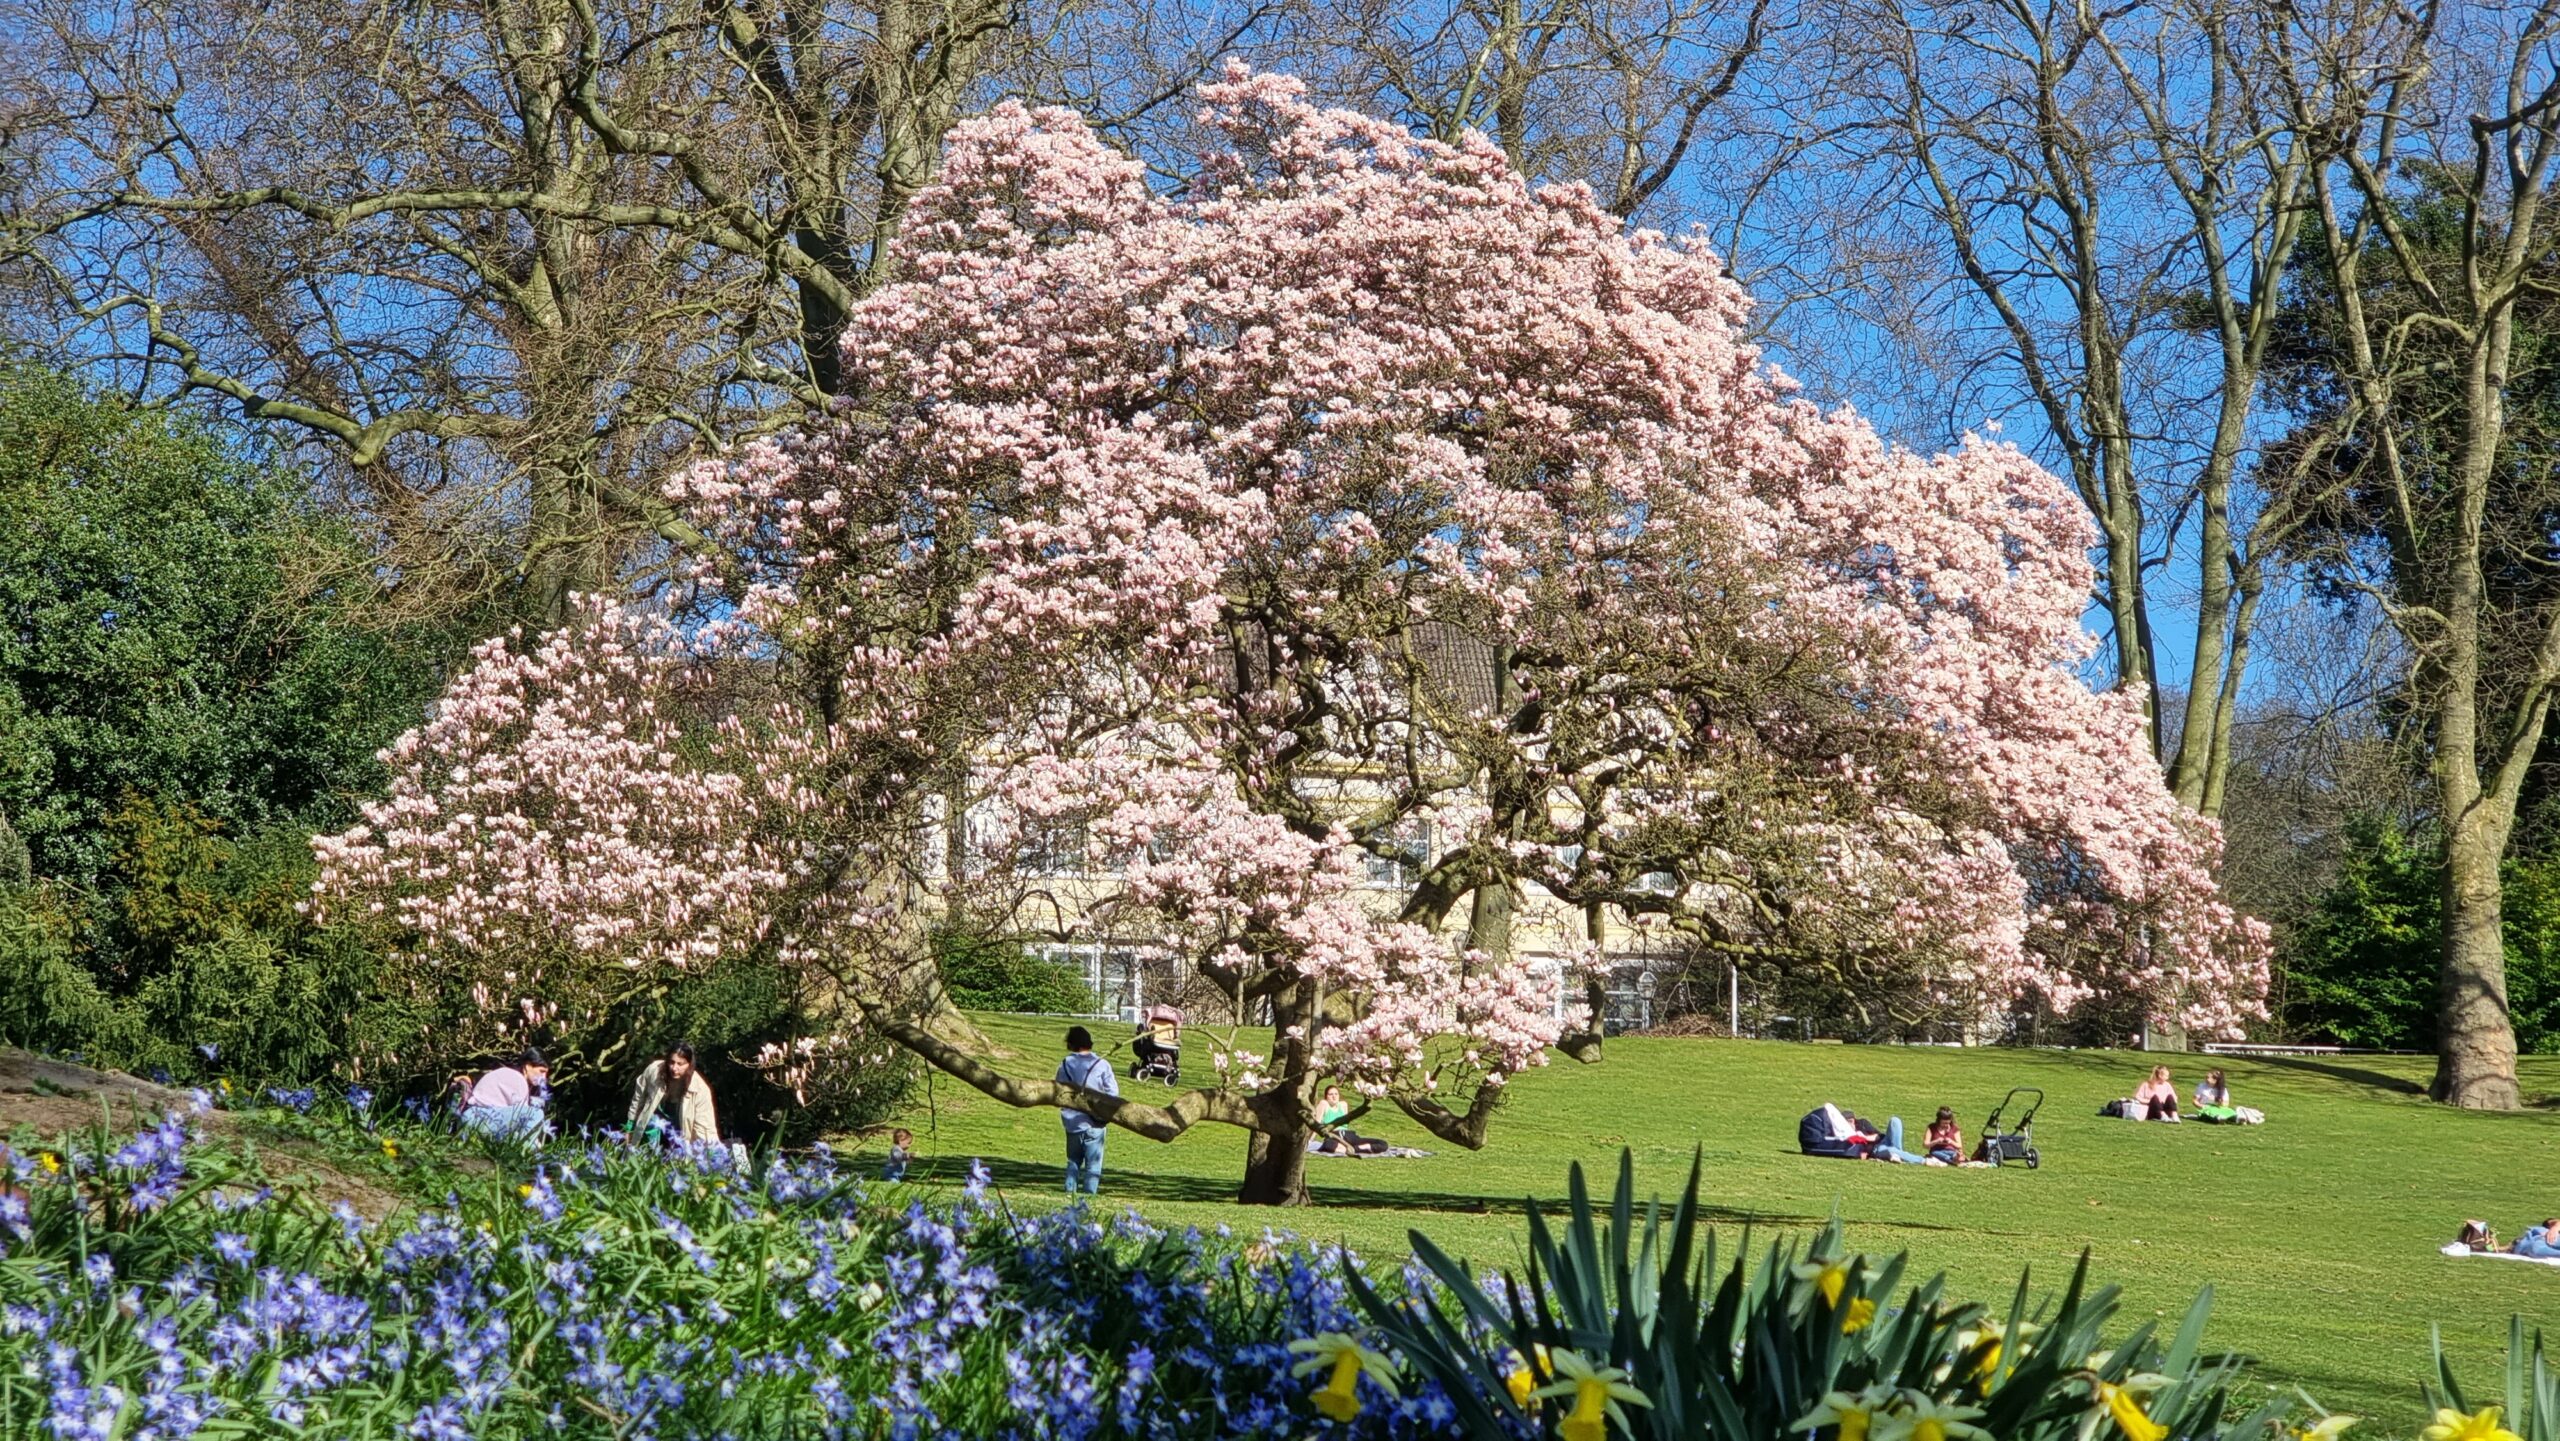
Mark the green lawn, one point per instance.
(2318, 1231)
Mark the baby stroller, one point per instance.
(1159, 1046)
(2000, 1147)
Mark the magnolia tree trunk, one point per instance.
(1275, 1161)
(2475, 1041)
(1275, 1168)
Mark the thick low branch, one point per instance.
(1156, 1123)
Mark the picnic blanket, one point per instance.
(1314, 1148)
(2456, 1248)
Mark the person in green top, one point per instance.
(1330, 1114)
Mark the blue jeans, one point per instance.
(1084, 1161)
(2533, 1243)
(507, 1123)
(1890, 1148)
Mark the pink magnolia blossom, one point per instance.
(1358, 487)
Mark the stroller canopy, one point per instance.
(1161, 1016)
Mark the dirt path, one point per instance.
(47, 1099)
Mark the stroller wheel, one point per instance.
(2031, 1160)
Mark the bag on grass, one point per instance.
(2117, 1110)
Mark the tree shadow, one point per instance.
(1133, 1185)
(2340, 1071)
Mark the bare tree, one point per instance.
(505, 260)
(2434, 261)
(2095, 210)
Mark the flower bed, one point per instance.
(151, 1288)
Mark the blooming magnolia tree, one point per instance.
(1237, 533)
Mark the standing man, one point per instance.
(1086, 1071)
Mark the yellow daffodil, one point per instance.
(1524, 1376)
(1343, 1359)
(1852, 1413)
(2123, 1404)
(1596, 1392)
(1860, 1315)
(2480, 1425)
(2326, 1429)
(1918, 1416)
(1829, 1275)
(1988, 1344)
(52, 1163)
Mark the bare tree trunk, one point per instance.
(2475, 1042)
(2475, 1037)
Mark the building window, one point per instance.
(1116, 976)
(1407, 850)
(1053, 848)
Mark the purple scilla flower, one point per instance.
(76, 1411)
(543, 1201)
(155, 1160)
(209, 1050)
(1136, 1374)
(100, 1269)
(350, 1225)
(225, 1204)
(233, 1248)
(299, 1101)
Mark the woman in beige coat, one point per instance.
(672, 1093)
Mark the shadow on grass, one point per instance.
(2340, 1071)
(1033, 1176)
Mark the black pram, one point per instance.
(1159, 1047)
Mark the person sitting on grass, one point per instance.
(902, 1149)
(2213, 1100)
(2157, 1098)
(671, 1102)
(2542, 1242)
(1339, 1141)
(1946, 1138)
(507, 1101)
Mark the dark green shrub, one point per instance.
(2363, 967)
(984, 975)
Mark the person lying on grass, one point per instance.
(2542, 1242)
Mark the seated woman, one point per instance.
(2213, 1098)
(2156, 1099)
(1339, 1141)
(1946, 1138)
(671, 1103)
(2542, 1242)
(507, 1102)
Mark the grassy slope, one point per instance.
(2318, 1231)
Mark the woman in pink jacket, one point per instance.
(2157, 1099)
